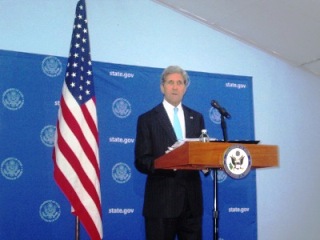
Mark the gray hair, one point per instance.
(175, 69)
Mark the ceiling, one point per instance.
(287, 29)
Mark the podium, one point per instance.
(199, 155)
(210, 155)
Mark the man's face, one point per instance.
(173, 88)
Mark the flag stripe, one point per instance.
(91, 105)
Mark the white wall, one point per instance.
(141, 32)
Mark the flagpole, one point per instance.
(77, 229)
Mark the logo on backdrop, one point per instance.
(121, 107)
(11, 168)
(221, 176)
(214, 115)
(47, 135)
(51, 66)
(50, 211)
(121, 172)
(237, 161)
(12, 99)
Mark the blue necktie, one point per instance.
(176, 124)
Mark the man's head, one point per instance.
(174, 81)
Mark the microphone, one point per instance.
(221, 110)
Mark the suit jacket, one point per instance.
(167, 191)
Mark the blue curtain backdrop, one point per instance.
(31, 204)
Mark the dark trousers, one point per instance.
(185, 227)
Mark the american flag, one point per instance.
(76, 150)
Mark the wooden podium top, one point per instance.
(199, 155)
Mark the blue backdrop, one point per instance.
(31, 204)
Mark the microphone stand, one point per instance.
(224, 128)
(215, 212)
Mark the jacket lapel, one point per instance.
(165, 123)
(189, 121)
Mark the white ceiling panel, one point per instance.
(288, 29)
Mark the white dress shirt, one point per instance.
(169, 109)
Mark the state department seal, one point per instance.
(11, 168)
(12, 99)
(121, 172)
(237, 161)
(51, 66)
(47, 135)
(50, 211)
(121, 108)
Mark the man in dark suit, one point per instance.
(173, 198)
